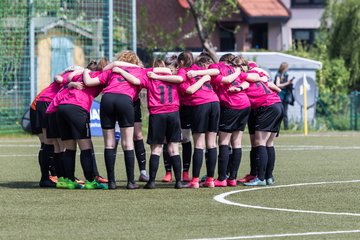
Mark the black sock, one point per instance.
(154, 165)
(176, 163)
(69, 164)
(229, 167)
(166, 156)
(129, 165)
(40, 154)
(271, 162)
(261, 159)
(236, 159)
(223, 161)
(86, 159)
(52, 165)
(186, 155)
(211, 162)
(110, 157)
(58, 164)
(197, 161)
(95, 168)
(140, 154)
(47, 155)
(253, 163)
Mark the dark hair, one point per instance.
(92, 65)
(203, 59)
(158, 63)
(240, 62)
(185, 59)
(227, 58)
(102, 63)
(171, 61)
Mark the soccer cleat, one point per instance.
(178, 185)
(231, 182)
(100, 179)
(209, 183)
(185, 177)
(143, 178)
(111, 185)
(95, 185)
(194, 183)
(270, 181)
(132, 186)
(53, 178)
(74, 185)
(222, 183)
(47, 184)
(79, 181)
(255, 182)
(149, 185)
(247, 178)
(167, 177)
(62, 182)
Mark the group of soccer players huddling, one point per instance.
(212, 101)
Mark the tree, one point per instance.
(206, 14)
(343, 40)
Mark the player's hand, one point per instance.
(234, 89)
(206, 78)
(237, 70)
(116, 70)
(191, 74)
(76, 85)
(152, 75)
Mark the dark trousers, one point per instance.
(285, 115)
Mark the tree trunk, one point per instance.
(203, 34)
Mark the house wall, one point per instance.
(43, 53)
(303, 18)
(274, 36)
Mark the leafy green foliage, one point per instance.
(343, 38)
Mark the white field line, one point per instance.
(221, 198)
(281, 235)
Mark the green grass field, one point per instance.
(28, 212)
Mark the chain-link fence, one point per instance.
(40, 38)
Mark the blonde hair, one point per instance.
(128, 56)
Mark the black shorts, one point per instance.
(40, 114)
(137, 111)
(268, 119)
(52, 128)
(35, 128)
(185, 117)
(165, 126)
(232, 120)
(73, 122)
(206, 117)
(116, 107)
(251, 122)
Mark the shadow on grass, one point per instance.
(121, 185)
(20, 185)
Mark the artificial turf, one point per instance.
(28, 212)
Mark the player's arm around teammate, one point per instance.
(164, 121)
(117, 105)
(205, 111)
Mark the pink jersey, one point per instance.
(233, 100)
(260, 95)
(203, 95)
(162, 97)
(116, 83)
(50, 92)
(82, 98)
